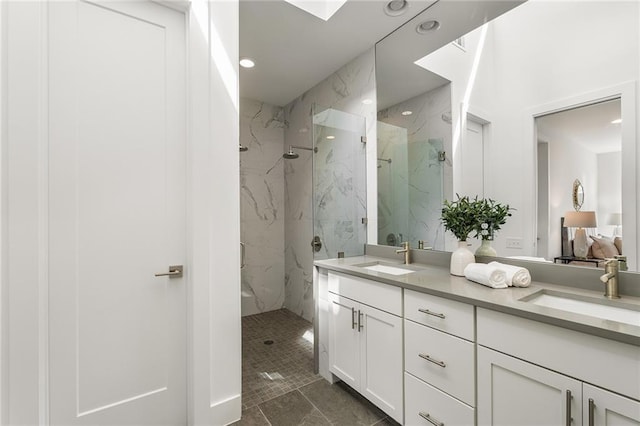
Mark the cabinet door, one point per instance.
(512, 392)
(381, 360)
(603, 408)
(344, 346)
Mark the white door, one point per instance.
(381, 360)
(512, 392)
(344, 344)
(603, 408)
(117, 214)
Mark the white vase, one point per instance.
(460, 258)
(486, 249)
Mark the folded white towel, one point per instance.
(485, 274)
(516, 276)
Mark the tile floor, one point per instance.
(278, 384)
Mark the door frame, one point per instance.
(213, 375)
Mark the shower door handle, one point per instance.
(316, 244)
(242, 250)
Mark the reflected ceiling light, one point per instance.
(367, 101)
(396, 7)
(427, 26)
(406, 112)
(618, 121)
(331, 137)
(247, 63)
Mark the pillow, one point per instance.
(603, 248)
(617, 241)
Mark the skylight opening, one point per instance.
(323, 9)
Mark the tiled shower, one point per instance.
(277, 196)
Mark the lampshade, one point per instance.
(580, 219)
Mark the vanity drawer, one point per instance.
(443, 314)
(422, 400)
(385, 297)
(442, 360)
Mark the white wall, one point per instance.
(569, 161)
(609, 191)
(213, 232)
(514, 78)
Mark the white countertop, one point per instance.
(436, 280)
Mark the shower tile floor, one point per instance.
(279, 387)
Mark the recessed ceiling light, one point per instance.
(427, 26)
(331, 137)
(618, 121)
(406, 112)
(367, 101)
(396, 7)
(247, 63)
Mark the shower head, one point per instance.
(290, 155)
(243, 148)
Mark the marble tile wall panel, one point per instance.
(262, 208)
(345, 90)
(393, 184)
(429, 131)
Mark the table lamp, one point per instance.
(580, 220)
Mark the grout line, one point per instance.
(263, 415)
(314, 406)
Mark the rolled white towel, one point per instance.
(485, 274)
(516, 276)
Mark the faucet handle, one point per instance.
(612, 261)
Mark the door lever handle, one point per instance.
(175, 271)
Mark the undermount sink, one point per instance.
(599, 308)
(385, 268)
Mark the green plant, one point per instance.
(461, 217)
(491, 215)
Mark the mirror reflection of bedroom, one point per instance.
(579, 184)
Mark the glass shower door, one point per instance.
(339, 183)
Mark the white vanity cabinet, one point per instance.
(608, 409)
(513, 392)
(535, 373)
(439, 355)
(365, 339)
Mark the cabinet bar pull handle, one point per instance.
(568, 418)
(360, 326)
(428, 312)
(592, 407)
(430, 419)
(435, 361)
(353, 318)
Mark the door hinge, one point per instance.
(363, 139)
(365, 220)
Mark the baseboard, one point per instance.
(226, 411)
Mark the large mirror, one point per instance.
(515, 110)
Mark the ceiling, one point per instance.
(295, 50)
(589, 126)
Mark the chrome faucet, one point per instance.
(610, 278)
(406, 249)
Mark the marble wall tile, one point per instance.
(343, 91)
(262, 210)
(429, 181)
